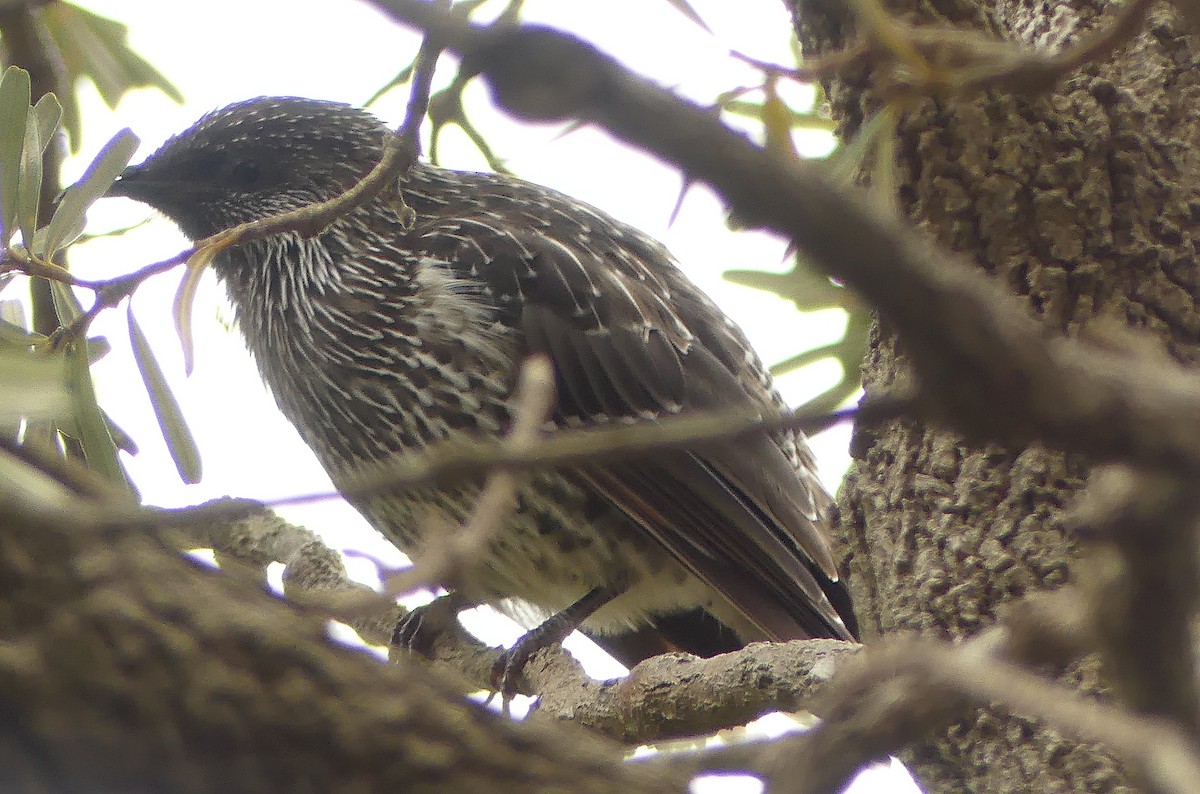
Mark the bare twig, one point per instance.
(923, 60)
(662, 698)
(33, 267)
(111, 292)
(870, 712)
(560, 447)
(423, 67)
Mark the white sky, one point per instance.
(226, 50)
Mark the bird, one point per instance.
(404, 324)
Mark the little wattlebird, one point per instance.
(383, 334)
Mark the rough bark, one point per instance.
(1081, 201)
(127, 668)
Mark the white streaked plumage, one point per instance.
(378, 336)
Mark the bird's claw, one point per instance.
(508, 669)
(418, 631)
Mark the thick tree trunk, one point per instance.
(1082, 201)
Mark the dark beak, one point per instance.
(130, 184)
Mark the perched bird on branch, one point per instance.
(387, 332)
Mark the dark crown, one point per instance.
(254, 159)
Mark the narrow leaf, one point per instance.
(98, 448)
(98, 348)
(48, 114)
(30, 181)
(180, 442)
(123, 440)
(66, 305)
(96, 47)
(14, 113)
(13, 332)
(855, 154)
(800, 120)
(71, 215)
(400, 79)
(809, 289)
(31, 385)
(777, 123)
(12, 335)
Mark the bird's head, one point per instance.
(255, 159)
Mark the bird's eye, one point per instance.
(246, 174)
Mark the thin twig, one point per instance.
(813, 68)
(1095, 46)
(940, 59)
(564, 447)
(424, 65)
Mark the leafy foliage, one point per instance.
(96, 48)
(46, 384)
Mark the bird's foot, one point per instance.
(507, 669)
(417, 631)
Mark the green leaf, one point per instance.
(123, 440)
(13, 332)
(31, 180)
(849, 353)
(16, 336)
(98, 348)
(809, 290)
(14, 113)
(800, 120)
(180, 442)
(48, 114)
(31, 385)
(70, 216)
(855, 154)
(402, 77)
(96, 47)
(66, 306)
(99, 450)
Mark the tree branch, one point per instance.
(125, 665)
(1141, 577)
(906, 688)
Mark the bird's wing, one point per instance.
(630, 337)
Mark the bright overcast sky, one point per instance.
(221, 51)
